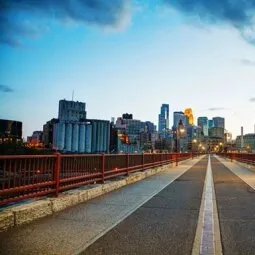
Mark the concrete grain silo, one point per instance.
(68, 137)
(81, 146)
(75, 137)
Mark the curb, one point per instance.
(23, 214)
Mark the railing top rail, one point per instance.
(26, 156)
(237, 153)
(81, 155)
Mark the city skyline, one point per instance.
(153, 52)
(65, 111)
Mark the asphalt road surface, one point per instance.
(166, 224)
(236, 211)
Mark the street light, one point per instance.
(194, 145)
(179, 130)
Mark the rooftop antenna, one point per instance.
(72, 95)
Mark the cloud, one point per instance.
(238, 13)
(6, 89)
(252, 99)
(216, 109)
(18, 18)
(247, 62)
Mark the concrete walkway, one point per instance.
(166, 224)
(74, 229)
(235, 196)
(244, 173)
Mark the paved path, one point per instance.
(166, 224)
(72, 230)
(236, 207)
(201, 207)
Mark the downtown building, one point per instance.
(180, 116)
(10, 131)
(163, 120)
(35, 140)
(195, 138)
(47, 137)
(210, 124)
(129, 135)
(219, 122)
(217, 134)
(213, 131)
(73, 133)
(248, 142)
(203, 123)
(190, 117)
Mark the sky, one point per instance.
(128, 56)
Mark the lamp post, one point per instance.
(194, 145)
(179, 130)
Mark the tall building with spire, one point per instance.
(163, 118)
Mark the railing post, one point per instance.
(57, 172)
(176, 159)
(103, 167)
(127, 163)
(143, 160)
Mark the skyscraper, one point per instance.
(210, 124)
(180, 116)
(219, 122)
(188, 112)
(203, 123)
(163, 118)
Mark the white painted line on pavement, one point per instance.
(207, 240)
(207, 237)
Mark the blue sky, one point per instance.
(131, 59)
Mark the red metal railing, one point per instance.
(241, 157)
(23, 177)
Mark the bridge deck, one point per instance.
(236, 209)
(158, 215)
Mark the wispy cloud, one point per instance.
(216, 109)
(252, 99)
(106, 13)
(6, 89)
(247, 62)
(239, 14)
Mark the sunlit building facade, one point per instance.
(188, 112)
